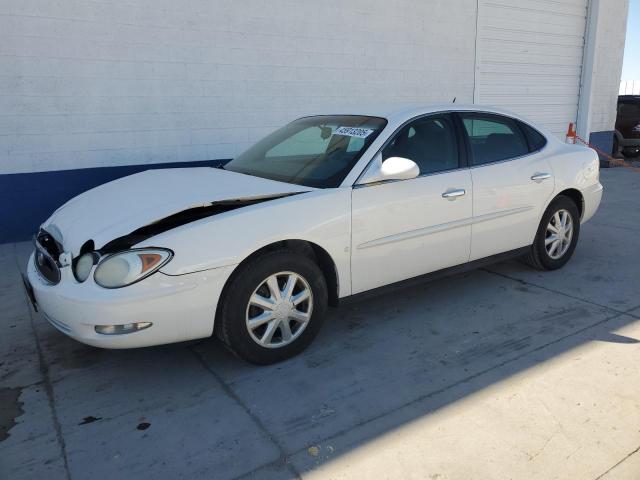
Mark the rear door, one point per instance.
(512, 182)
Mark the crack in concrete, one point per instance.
(252, 473)
(284, 455)
(48, 387)
(283, 459)
(461, 381)
(265, 431)
(568, 295)
(619, 463)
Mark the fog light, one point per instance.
(121, 329)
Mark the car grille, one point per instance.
(47, 251)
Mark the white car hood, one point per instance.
(119, 207)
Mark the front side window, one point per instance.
(430, 141)
(493, 138)
(313, 151)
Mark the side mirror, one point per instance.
(393, 168)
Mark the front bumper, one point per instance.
(180, 307)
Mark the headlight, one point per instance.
(82, 267)
(124, 268)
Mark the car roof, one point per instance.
(402, 112)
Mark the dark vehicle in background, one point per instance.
(627, 134)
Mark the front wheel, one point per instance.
(273, 307)
(557, 235)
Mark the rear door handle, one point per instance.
(453, 194)
(539, 177)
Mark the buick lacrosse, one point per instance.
(326, 207)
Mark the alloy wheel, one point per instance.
(558, 234)
(279, 309)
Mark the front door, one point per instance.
(402, 229)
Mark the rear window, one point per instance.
(535, 138)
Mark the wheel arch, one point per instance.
(575, 195)
(312, 250)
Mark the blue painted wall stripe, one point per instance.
(28, 199)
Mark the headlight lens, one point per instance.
(83, 266)
(124, 268)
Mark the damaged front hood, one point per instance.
(118, 208)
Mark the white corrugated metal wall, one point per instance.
(529, 58)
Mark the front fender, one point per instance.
(320, 216)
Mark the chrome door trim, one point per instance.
(420, 232)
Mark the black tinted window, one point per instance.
(493, 138)
(429, 141)
(535, 138)
(629, 110)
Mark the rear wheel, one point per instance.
(557, 235)
(273, 307)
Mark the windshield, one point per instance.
(313, 151)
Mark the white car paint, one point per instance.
(507, 204)
(180, 307)
(121, 206)
(374, 234)
(404, 229)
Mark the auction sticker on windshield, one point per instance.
(353, 132)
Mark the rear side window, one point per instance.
(535, 138)
(493, 138)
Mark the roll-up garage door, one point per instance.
(529, 58)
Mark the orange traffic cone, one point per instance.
(571, 133)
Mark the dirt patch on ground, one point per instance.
(10, 409)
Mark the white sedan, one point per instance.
(326, 207)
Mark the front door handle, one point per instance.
(453, 194)
(539, 177)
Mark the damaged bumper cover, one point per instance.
(178, 307)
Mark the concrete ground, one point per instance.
(499, 373)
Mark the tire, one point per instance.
(540, 256)
(250, 282)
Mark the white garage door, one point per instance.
(529, 58)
